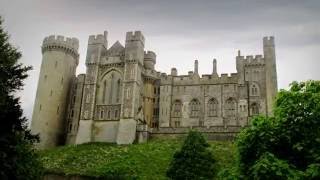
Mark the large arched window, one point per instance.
(213, 107)
(177, 108)
(254, 109)
(110, 88)
(194, 108)
(231, 107)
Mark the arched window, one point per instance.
(231, 107)
(213, 107)
(194, 108)
(254, 109)
(118, 90)
(177, 108)
(254, 90)
(104, 92)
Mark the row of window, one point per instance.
(213, 108)
(109, 114)
(254, 88)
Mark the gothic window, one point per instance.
(254, 109)
(194, 108)
(88, 98)
(116, 113)
(72, 112)
(213, 107)
(101, 114)
(104, 92)
(231, 107)
(254, 90)
(177, 107)
(118, 90)
(177, 124)
(132, 74)
(109, 114)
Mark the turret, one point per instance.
(59, 61)
(271, 71)
(97, 47)
(149, 59)
(134, 48)
(214, 67)
(196, 64)
(174, 72)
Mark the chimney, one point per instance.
(196, 67)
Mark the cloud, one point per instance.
(178, 31)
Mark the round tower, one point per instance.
(149, 60)
(59, 61)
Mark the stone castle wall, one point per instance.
(121, 91)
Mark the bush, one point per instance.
(270, 167)
(194, 160)
(292, 136)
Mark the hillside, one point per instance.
(143, 161)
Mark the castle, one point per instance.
(122, 98)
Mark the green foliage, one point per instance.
(17, 157)
(313, 172)
(292, 136)
(270, 167)
(194, 160)
(142, 161)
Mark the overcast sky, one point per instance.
(178, 31)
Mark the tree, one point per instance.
(18, 159)
(292, 136)
(194, 160)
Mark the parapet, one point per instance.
(70, 45)
(150, 56)
(149, 59)
(174, 72)
(135, 36)
(98, 39)
(268, 41)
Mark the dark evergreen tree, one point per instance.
(194, 160)
(18, 159)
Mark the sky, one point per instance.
(178, 31)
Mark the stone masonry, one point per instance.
(122, 98)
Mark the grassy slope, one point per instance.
(145, 161)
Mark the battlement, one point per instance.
(268, 41)
(67, 45)
(98, 39)
(150, 55)
(251, 59)
(72, 43)
(135, 36)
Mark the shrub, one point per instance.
(270, 167)
(194, 160)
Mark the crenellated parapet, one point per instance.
(251, 60)
(135, 36)
(68, 45)
(149, 59)
(98, 39)
(268, 41)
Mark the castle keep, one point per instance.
(122, 97)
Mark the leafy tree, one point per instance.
(18, 159)
(194, 160)
(292, 136)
